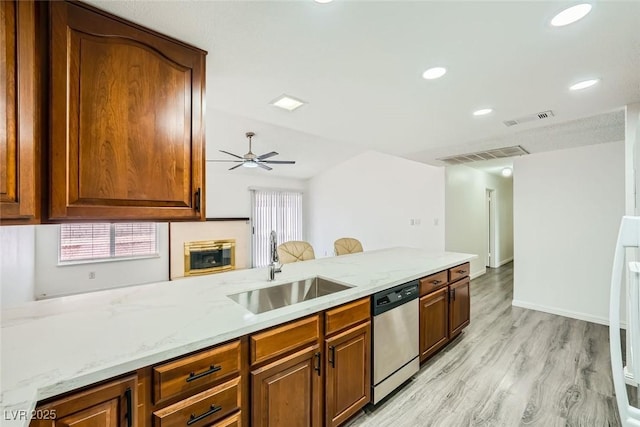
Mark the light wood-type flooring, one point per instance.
(510, 367)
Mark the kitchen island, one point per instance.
(54, 346)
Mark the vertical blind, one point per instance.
(82, 242)
(274, 210)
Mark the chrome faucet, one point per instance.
(273, 256)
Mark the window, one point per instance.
(274, 210)
(85, 242)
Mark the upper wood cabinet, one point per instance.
(22, 53)
(127, 131)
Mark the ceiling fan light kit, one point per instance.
(250, 160)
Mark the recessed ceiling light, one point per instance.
(434, 73)
(323, 1)
(571, 15)
(507, 172)
(584, 84)
(287, 102)
(482, 112)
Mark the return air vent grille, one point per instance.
(498, 153)
(530, 118)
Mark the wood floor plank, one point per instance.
(510, 367)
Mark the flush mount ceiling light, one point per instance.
(507, 172)
(434, 73)
(571, 15)
(483, 112)
(583, 84)
(287, 102)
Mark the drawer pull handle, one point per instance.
(195, 419)
(461, 271)
(436, 282)
(193, 376)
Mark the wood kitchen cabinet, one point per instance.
(348, 374)
(444, 308)
(22, 94)
(286, 376)
(434, 322)
(127, 132)
(459, 306)
(204, 388)
(108, 405)
(348, 361)
(287, 392)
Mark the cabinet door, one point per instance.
(108, 405)
(288, 392)
(348, 373)
(126, 120)
(21, 54)
(459, 306)
(434, 319)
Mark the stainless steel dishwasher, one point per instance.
(395, 338)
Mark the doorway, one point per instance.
(491, 203)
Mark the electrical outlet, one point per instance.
(436, 221)
(92, 275)
(412, 221)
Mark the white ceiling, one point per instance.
(358, 64)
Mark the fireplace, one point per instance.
(209, 256)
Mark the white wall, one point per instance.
(372, 197)
(17, 264)
(228, 192)
(466, 215)
(52, 279)
(632, 158)
(567, 210)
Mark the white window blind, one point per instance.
(274, 210)
(84, 242)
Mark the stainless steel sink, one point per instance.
(265, 299)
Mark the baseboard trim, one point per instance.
(565, 313)
(505, 261)
(477, 273)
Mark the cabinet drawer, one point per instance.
(192, 372)
(234, 420)
(347, 315)
(283, 339)
(203, 408)
(458, 272)
(434, 282)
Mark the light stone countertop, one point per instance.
(54, 346)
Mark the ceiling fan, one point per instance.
(250, 160)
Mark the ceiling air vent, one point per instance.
(530, 118)
(498, 153)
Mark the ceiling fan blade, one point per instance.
(231, 154)
(279, 162)
(225, 161)
(263, 166)
(267, 155)
(236, 166)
